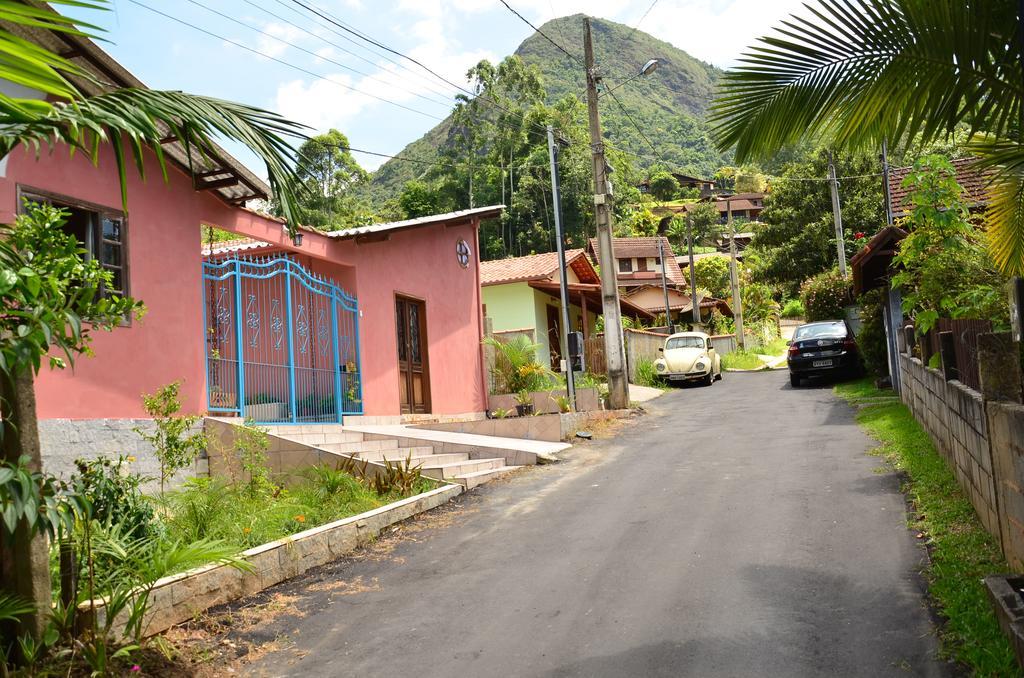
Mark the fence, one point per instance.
(724, 344)
(964, 339)
(641, 345)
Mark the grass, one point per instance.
(209, 508)
(961, 551)
(741, 360)
(774, 347)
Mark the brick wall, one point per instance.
(954, 416)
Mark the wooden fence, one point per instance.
(964, 336)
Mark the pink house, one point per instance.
(407, 329)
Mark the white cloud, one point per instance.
(714, 31)
(273, 45)
(321, 104)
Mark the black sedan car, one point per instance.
(823, 348)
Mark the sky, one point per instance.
(280, 55)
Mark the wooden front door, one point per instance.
(554, 337)
(413, 366)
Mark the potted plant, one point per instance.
(524, 403)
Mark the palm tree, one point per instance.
(856, 73)
(129, 119)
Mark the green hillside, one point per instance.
(668, 105)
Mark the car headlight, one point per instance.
(659, 366)
(700, 365)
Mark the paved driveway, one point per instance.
(736, 530)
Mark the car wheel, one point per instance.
(794, 380)
(718, 376)
(709, 380)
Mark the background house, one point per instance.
(638, 264)
(680, 304)
(521, 296)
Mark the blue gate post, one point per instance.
(239, 338)
(292, 406)
(359, 357)
(339, 396)
(206, 337)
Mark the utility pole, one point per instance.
(837, 214)
(563, 286)
(734, 278)
(664, 285)
(615, 354)
(885, 184)
(694, 301)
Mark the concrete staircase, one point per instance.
(457, 467)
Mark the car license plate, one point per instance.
(821, 363)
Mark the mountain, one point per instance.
(668, 105)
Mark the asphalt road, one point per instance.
(736, 530)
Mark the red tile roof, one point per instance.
(631, 248)
(974, 182)
(535, 267)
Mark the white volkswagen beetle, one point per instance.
(689, 356)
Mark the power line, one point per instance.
(642, 17)
(283, 62)
(362, 36)
(635, 125)
(314, 54)
(542, 33)
(420, 76)
(326, 16)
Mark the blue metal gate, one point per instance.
(282, 344)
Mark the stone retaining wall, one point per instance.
(62, 441)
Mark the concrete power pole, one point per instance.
(734, 278)
(664, 285)
(885, 184)
(563, 286)
(615, 354)
(837, 214)
(694, 301)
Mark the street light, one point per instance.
(646, 69)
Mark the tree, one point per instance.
(664, 186)
(418, 199)
(862, 72)
(498, 143)
(51, 302)
(50, 298)
(941, 267)
(706, 222)
(712, 274)
(796, 239)
(328, 171)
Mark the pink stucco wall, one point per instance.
(163, 250)
(421, 263)
(164, 271)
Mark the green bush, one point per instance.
(871, 338)
(646, 375)
(115, 494)
(793, 308)
(824, 296)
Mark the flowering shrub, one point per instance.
(824, 296)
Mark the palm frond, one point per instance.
(131, 119)
(860, 71)
(13, 607)
(28, 64)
